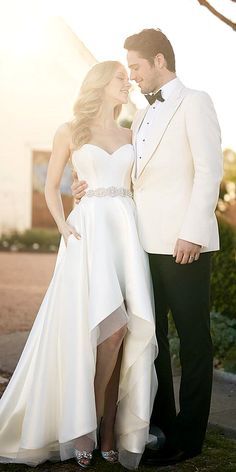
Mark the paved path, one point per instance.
(24, 278)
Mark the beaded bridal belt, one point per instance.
(109, 192)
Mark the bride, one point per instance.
(86, 378)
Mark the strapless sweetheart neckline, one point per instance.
(104, 150)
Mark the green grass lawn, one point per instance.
(219, 455)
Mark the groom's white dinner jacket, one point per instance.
(176, 179)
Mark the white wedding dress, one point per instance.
(100, 283)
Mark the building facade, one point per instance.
(37, 90)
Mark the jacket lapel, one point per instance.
(169, 109)
(138, 119)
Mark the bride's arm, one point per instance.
(58, 160)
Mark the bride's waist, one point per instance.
(111, 191)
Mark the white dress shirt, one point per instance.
(153, 114)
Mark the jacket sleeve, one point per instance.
(204, 138)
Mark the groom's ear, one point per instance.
(159, 61)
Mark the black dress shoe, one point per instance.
(165, 456)
(157, 438)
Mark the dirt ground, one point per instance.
(24, 278)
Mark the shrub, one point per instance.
(230, 360)
(223, 280)
(34, 240)
(173, 341)
(223, 332)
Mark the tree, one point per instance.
(223, 18)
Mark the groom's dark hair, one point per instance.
(150, 42)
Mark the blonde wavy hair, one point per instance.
(90, 100)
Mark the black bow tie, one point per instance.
(156, 96)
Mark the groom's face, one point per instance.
(144, 73)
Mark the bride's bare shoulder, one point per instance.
(64, 134)
(64, 130)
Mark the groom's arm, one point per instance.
(204, 139)
(78, 187)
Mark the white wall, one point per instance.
(37, 93)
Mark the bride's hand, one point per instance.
(66, 230)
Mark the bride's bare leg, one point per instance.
(107, 356)
(110, 407)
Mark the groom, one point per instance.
(176, 181)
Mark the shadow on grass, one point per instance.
(219, 455)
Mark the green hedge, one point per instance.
(223, 280)
(35, 240)
(223, 332)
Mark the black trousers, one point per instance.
(185, 290)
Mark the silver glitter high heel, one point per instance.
(110, 456)
(81, 456)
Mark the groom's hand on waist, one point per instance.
(78, 187)
(186, 252)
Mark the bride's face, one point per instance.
(118, 87)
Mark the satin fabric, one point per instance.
(100, 283)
